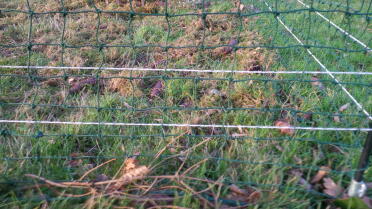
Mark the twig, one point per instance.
(196, 194)
(47, 181)
(95, 168)
(73, 195)
(182, 164)
(194, 166)
(162, 151)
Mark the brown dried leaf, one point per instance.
(242, 7)
(186, 103)
(316, 83)
(248, 195)
(228, 49)
(74, 162)
(101, 177)
(132, 175)
(234, 188)
(157, 89)
(79, 85)
(72, 80)
(344, 107)
(220, 52)
(336, 118)
(324, 170)
(52, 82)
(308, 116)
(284, 130)
(331, 188)
(304, 183)
(129, 164)
(256, 67)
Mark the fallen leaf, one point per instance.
(74, 162)
(242, 7)
(215, 92)
(255, 68)
(336, 118)
(301, 181)
(248, 195)
(72, 80)
(186, 103)
(323, 171)
(131, 176)
(308, 116)
(344, 107)
(252, 8)
(51, 82)
(288, 131)
(129, 164)
(79, 85)
(316, 83)
(101, 177)
(157, 89)
(229, 49)
(331, 188)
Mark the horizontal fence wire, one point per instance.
(179, 70)
(186, 125)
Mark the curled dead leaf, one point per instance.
(344, 107)
(255, 67)
(336, 119)
(131, 176)
(220, 52)
(316, 83)
(242, 7)
(74, 162)
(101, 177)
(323, 171)
(248, 195)
(287, 130)
(129, 164)
(79, 85)
(300, 180)
(157, 89)
(72, 80)
(52, 82)
(331, 188)
(308, 116)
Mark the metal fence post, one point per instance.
(357, 187)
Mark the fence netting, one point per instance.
(203, 103)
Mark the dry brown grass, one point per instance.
(125, 86)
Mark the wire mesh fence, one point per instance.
(202, 103)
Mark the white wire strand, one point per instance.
(179, 70)
(360, 107)
(185, 125)
(339, 28)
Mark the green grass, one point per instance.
(261, 159)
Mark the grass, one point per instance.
(259, 159)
